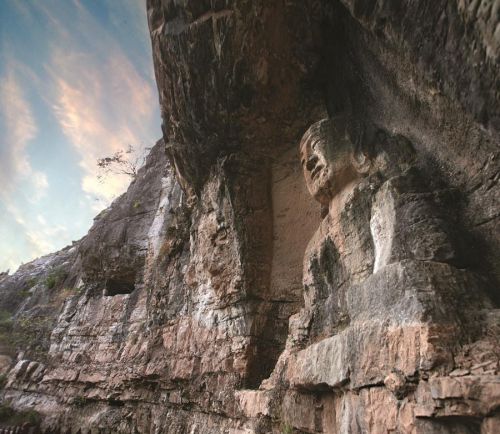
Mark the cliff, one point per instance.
(216, 296)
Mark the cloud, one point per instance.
(101, 111)
(100, 100)
(76, 87)
(40, 181)
(40, 184)
(19, 129)
(40, 236)
(22, 8)
(18, 178)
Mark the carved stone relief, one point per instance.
(384, 296)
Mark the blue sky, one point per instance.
(76, 84)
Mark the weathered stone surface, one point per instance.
(238, 305)
(235, 67)
(383, 306)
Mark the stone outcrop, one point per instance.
(216, 296)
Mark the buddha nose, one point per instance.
(311, 162)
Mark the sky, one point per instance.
(76, 84)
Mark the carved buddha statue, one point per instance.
(383, 318)
(377, 212)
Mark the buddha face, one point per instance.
(327, 161)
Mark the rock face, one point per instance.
(216, 295)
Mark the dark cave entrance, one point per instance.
(118, 286)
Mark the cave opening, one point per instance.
(118, 287)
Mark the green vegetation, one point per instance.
(286, 428)
(5, 320)
(31, 282)
(9, 416)
(3, 381)
(136, 204)
(24, 293)
(79, 401)
(6, 325)
(56, 277)
(30, 334)
(50, 281)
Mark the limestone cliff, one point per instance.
(216, 296)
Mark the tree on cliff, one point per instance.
(122, 162)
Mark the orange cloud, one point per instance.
(100, 99)
(102, 95)
(101, 110)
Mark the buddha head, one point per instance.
(332, 157)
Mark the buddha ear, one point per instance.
(361, 141)
(361, 161)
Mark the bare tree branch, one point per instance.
(122, 162)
